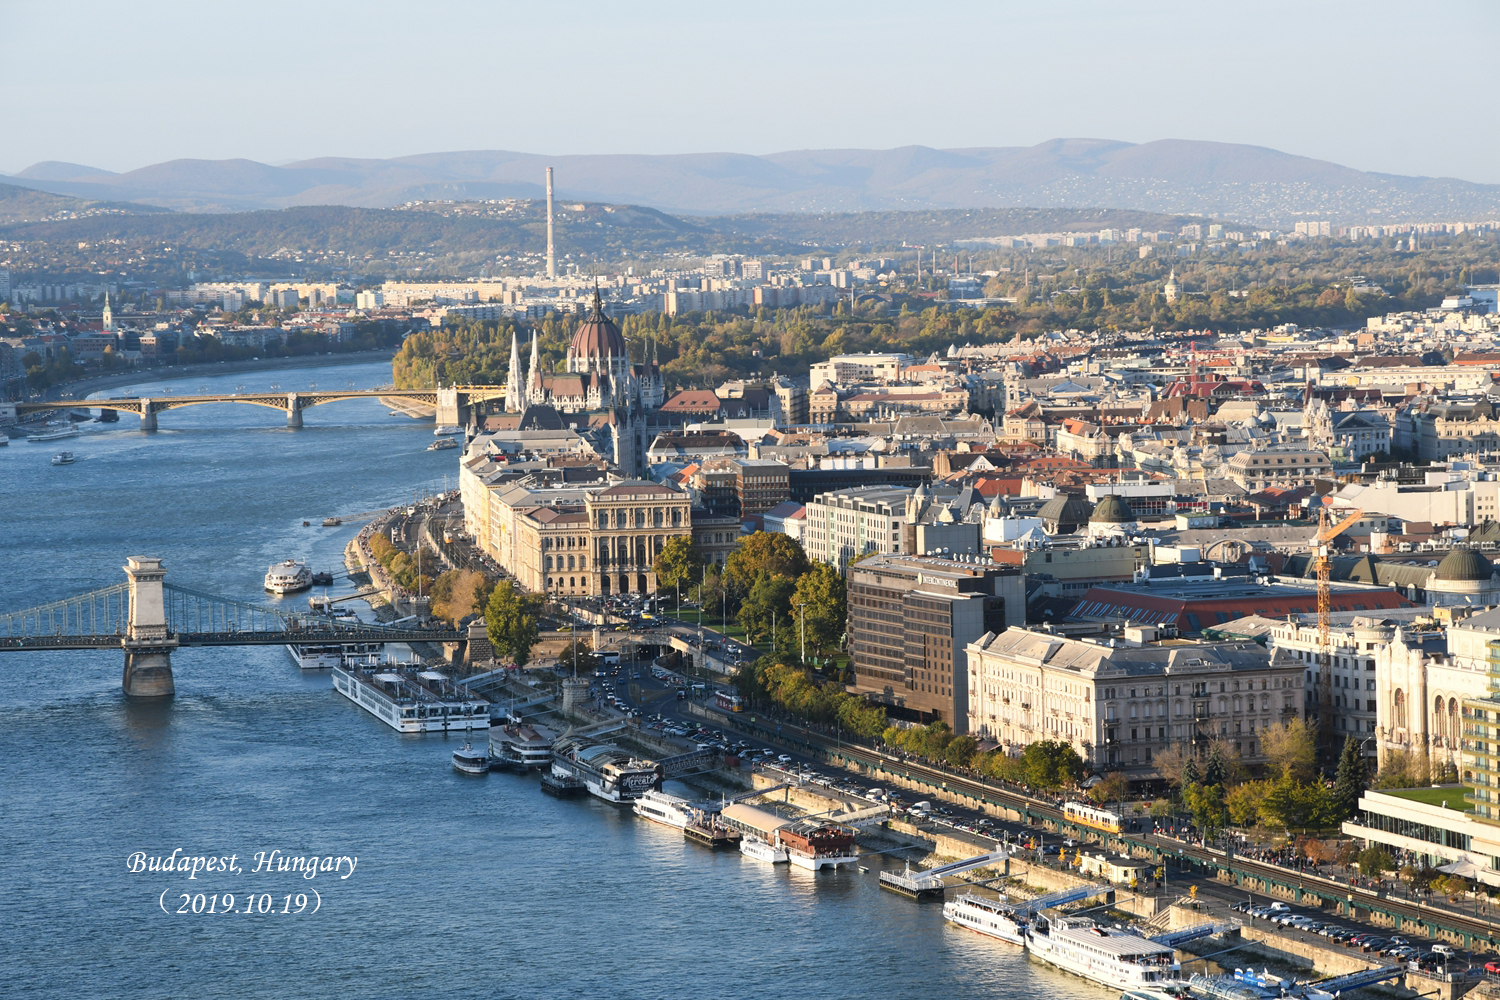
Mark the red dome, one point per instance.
(598, 336)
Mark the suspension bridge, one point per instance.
(147, 618)
(452, 404)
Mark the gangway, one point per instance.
(929, 882)
(745, 796)
(1174, 938)
(1061, 898)
(693, 760)
(1353, 981)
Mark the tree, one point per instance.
(1351, 782)
(1110, 788)
(1295, 805)
(820, 606)
(960, 750)
(1190, 773)
(582, 653)
(1052, 764)
(679, 564)
(511, 617)
(1374, 861)
(1244, 801)
(1206, 803)
(766, 611)
(766, 552)
(1172, 763)
(1291, 749)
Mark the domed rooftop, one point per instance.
(598, 336)
(1112, 510)
(1464, 565)
(1063, 509)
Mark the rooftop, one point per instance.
(1445, 798)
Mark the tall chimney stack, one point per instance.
(551, 250)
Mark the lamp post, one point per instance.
(802, 629)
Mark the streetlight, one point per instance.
(802, 628)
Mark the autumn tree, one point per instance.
(820, 606)
(511, 617)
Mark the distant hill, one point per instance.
(465, 232)
(1175, 177)
(25, 204)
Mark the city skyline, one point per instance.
(185, 83)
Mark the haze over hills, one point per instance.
(1232, 182)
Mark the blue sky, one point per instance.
(1393, 87)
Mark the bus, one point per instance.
(1086, 815)
(610, 658)
(729, 702)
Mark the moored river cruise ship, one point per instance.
(992, 917)
(1118, 959)
(412, 700)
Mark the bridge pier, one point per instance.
(450, 411)
(293, 410)
(148, 647)
(148, 672)
(148, 416)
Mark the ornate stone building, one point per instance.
(598, 374)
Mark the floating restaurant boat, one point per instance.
(327, 655)
(521, 746)
(412, 700)
(608, 772)
(814, 845)
(1116, 958)
(994, 918)
(288, 577)
(563, 786)
(664, 808)
(707, 830)
(470, 761)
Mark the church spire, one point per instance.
(534, 373)
(513, 399)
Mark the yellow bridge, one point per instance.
(451, 403)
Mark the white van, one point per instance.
(923, 806)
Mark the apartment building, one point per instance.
(840, 527)
(1121, 700)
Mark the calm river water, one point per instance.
(464, 887)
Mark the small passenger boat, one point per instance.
(471, 761)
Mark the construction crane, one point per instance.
(1323, 565)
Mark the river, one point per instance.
(462, 886)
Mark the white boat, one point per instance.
(664, 808)
(760, 850)
(443, 430)
(51, 433)
(442, 444)
(288, 577)
(988, 916)
(412, 700)
(63, 458)
(470, 761)
(813, 845)
(1119, 959)
(327, 655)
(522, 746)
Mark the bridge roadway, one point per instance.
(451, 403)
(233, 637)
(1249, 874)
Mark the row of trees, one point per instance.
(414, 573)
(1047, 765)
(1290, 797)
(792, 688)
